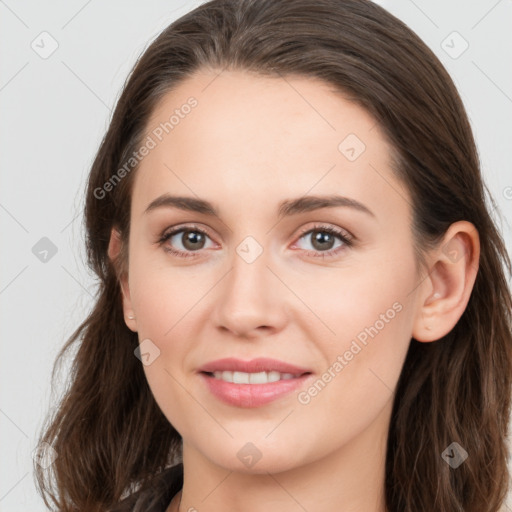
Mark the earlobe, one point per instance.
(114, 253)
(445, 293)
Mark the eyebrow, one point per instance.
(286, 208)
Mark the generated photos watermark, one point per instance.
(150, 142)
(356, 346)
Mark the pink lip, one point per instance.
(251, 395)
(261, 364)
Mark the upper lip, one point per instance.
(261, 364)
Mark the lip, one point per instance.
(260, 364)
(252, 395)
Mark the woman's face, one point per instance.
(265, 277)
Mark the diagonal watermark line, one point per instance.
(279, 423)
(76, 14)
(12, 12)
(421, 281)
(85, 85)
(70, 222)
(199, 403)
(14, 218)
(397, 191)
(14, 76)
(380, 380)
(286, 491)
(14, 486)
(215, 488)
(304, 195)
(492, 81)
(214, 78)
(282, 76)
(13, 423)
(301, 300)
(374, 125)
(220, 220)
(486, 14)
(76, 280)
(12, 280)
(424, 13)
(194, 305)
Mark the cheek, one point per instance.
(162, 324)
(365, 331)
(349, 301)
(158, 293)
(364, 365)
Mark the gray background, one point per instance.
(55, 109)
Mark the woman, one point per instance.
(302, 298)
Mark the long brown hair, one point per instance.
(108, 432)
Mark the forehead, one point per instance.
(269, 112)
(256, 137)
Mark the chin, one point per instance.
(252, 461)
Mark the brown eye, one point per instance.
(184, 242)
(323, 240)
(192, 240)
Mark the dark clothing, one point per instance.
(156, 499)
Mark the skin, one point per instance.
(251, 143)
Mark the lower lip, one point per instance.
(252, 395)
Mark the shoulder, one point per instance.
(162, 489)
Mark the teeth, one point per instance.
(252, 378)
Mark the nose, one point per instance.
(252, 300)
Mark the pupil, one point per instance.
(322, 238)
(193, 237)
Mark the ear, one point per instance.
(114, 253)
(445, 292)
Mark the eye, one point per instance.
(323, 239)
(191, 238)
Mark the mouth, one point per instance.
(252, 378)
(252, 383)
(251, 394)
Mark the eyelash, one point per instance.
(346, 239)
